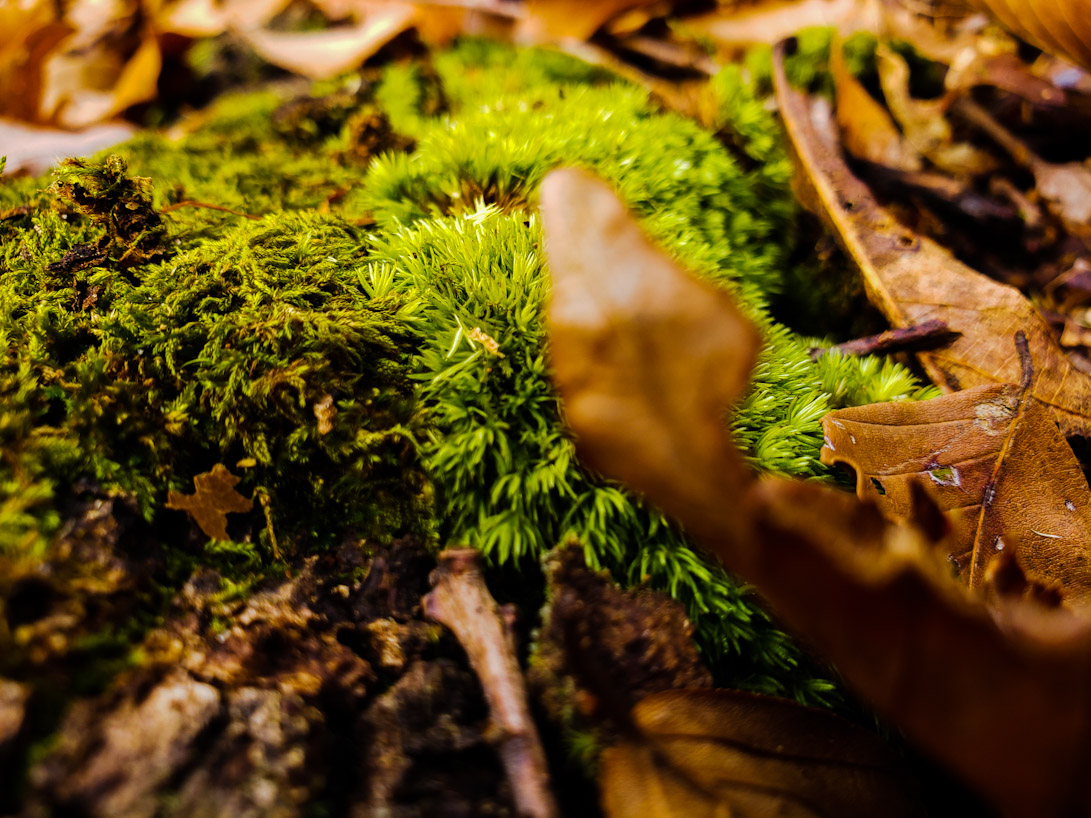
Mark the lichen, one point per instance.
(367, 350)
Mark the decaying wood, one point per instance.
(460, 600)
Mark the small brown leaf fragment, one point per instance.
(479, 336)
(721, 753)
(993, 460)
(215, 497)
(325, 412)
(911, 279)
(924, 122)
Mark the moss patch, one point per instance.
(369, 354)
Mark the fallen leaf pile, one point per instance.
(954, 205)
(912, 279)
(991, 677)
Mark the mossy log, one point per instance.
(337, 299)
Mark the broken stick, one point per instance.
(460, 600)
(918, 338)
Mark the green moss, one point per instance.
(221, 353)
(409, 299)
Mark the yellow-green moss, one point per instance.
(378, 289)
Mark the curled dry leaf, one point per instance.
(867, 131)
(995, 463)
(1001, 694)
(911, 279)
(550, 20)
(711, 753)
(1060, 27)
(215, 497)
(947, 44)
(924, 122)
(768, 22)
(74, 79)
(29, 32)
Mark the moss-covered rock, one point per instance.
(339, 298)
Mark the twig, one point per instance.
(978, 116)
(926, 336)
(208, 206)
(460, 600)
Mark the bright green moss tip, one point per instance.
(370, 355)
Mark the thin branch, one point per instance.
(978, 116)
(208, 206)
(460, 600)
(927, 336)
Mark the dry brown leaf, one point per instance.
(924, 122)
(658, 292)
(1001, 694)
(327, 53)
(81, 88)
(1060, 27)
(948, 45)
(550, 20)
(215, 497)
(207, 18)
(913, 280)
(867, 131)
(29, 32)
(771, 21)
(993, 460)
(715, 753)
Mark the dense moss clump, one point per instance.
(366, 351)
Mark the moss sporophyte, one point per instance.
(368, 356)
